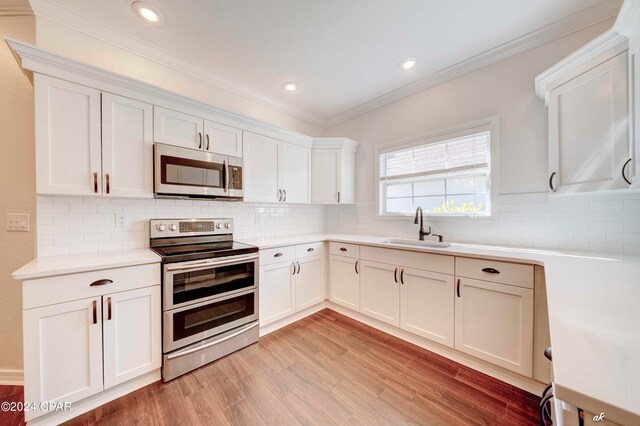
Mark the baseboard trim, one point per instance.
(11, 377)
(270, 328)
(92, 402)
(489, 369)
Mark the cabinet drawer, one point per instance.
(500, 272)
(309, 250)
(278, 254)
(410, 259)
(341, 249)
(64, 288)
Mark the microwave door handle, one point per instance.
(225, 166)
(200, 265)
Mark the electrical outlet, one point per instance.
(121, 220)
(18, 222)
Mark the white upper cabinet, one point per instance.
(261, 165)
(68, 151)
(276, 171)
(222, 139)
(587, 94)
(333, 165)
(127, 147)
(176, 128)
(296, 173)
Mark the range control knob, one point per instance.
(218, 226)
(173, 227)
(161, 227)
(227, 225)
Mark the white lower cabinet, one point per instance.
(379, 292)
(276, 292)
(63, 352)
(132, 326)
(494, 322)
(427, 305)
(309, 289)
(344, 281)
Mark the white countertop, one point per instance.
(594, 317)
(74, 263)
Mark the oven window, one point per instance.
(186, 172)
(191, 286)
(197, 320)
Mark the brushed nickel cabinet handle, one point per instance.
(294, 268)
(95, 182)
(279, 194)
(108, 183)
(458, 288)
(298, 268)
(199, 140)
(357, 266)
(284, 191)
(108, 308)
(623, 175)
(101, 282)
(277, 255)
(551, 182)
(395, 275)
(490, 270)
(95, 312)
(207, 136)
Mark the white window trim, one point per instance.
(490, 123)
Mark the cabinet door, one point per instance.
(132, 334)
(295, 169)
(494, 322)
(176, 128)
(222, 139)
(589, 129)
(308, 288)
(426, 304)
(261, 163)
(276, 292)
(380, 295)
(62, 352)
(344, 281)
(326, 176)
(67, 138)
(127, 147)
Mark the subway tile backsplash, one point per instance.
(609, 223)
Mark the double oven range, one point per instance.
(209, 292)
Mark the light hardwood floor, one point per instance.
(325, 369)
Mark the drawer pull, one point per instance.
(343, 249)
(100, 282)
(310, 249)
(277, 255)
(491, 270)
(458, 288)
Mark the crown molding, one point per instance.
(561, 28)
(97, 30)
(15, 11)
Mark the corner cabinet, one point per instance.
(333, 165)
(590, 143)
(276, 171)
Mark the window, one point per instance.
(446, 175)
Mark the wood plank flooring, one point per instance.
(326, 369)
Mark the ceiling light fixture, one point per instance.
(290, 86)
(148, 13)
(408, 63)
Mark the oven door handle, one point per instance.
(211, 263)
(216, 342)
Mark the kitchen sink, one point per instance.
(417, 243)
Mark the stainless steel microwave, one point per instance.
(189, 173)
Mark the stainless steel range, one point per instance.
(210, 292)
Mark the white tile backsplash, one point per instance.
(70, 225)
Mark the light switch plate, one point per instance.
(18, 222)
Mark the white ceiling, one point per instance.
(341, 52)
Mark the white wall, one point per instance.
(523, 214)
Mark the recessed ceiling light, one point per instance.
(290, 86)
(408, 63)
(148, 13)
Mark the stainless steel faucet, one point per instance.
(421, 232)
